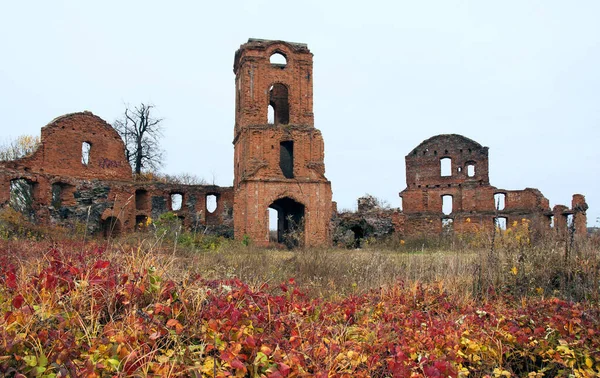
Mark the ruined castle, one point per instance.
(80, 173)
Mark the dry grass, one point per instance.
(521, 268)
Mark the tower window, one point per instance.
(286, 158)
(278, 59)
(271, 115)
(278, 99)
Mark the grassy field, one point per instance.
(166, 303)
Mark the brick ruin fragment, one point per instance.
(448, 190)
(79, 173)
(278, 162)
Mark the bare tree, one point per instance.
(141, 133)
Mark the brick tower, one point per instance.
(279, 154)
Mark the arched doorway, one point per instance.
(111, 227)
(290, 221)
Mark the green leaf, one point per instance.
(30, 360)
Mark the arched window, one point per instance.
(278, 59)
(278, 99)
(271, 115)
(211, 203)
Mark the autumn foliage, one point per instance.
(85, 310)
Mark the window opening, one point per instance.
(278, 59)
(446, 167)
(141, 199)
(176, 201)
(500, 223)
(447, 204)
(286, 158)
(61, 193)
(278, 99)
(471, 170)
(569, 220)
(551, 221)
(401, 204)
(211, 203)
(86, 147)
(500, 201)
(21, 196)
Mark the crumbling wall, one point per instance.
(460, 197)
(370, 221)
(61, 150)
(99, 192)
(278, 162)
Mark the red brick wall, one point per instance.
(60, 151)
(259, 180)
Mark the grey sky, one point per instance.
(521, 77)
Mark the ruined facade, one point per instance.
(448, 189)
(278, 161)
(79, 173)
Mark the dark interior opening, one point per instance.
(290, 221)
(140, 222)
(359, 235)
(278, 99)
(286, 158)
(111, 227)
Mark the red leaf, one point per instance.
(11, 280)
(237, 364)
(101, 264)
(174, 323)
(284, 369)
(17, 301)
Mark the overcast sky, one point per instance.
(521, 77)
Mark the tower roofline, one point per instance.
(258, 44)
